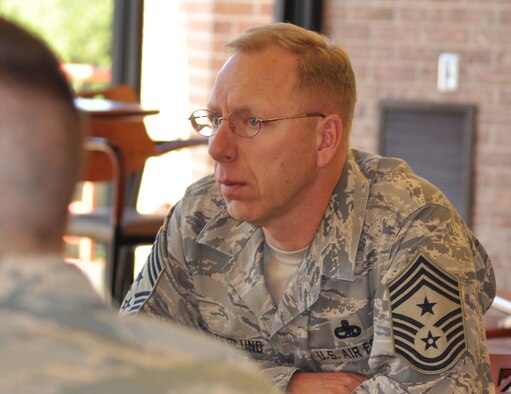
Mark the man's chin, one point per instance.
(241, 212)
(236, 213)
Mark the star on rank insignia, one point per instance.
(427, 316)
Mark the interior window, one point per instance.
(80, 33)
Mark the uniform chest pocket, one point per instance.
(237, 329)
(358, 351)
(257, 347)
(336, 342)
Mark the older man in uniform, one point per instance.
(56, 336)
(338, 270)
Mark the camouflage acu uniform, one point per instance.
(56, 336)
(393, 286)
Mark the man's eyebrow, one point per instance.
(212, 108)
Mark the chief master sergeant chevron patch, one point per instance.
(427, 316)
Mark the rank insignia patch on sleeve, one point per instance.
(427, 316)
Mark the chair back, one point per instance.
(118, 145)
(501, 372)
(129, 134)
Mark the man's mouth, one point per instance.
(230, 187)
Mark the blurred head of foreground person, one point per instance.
(338, 270)
(56, 336)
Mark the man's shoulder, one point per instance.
(204, 185)
(201, 202)
(203, 194)
(392, 181)
(382, 169)
(188, 358)
(175, 341)
(67, 348)
(133, 357)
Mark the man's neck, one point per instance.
(31, 248)
(298, 229)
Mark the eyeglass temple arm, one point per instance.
(292, 117)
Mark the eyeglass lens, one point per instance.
(207, 123)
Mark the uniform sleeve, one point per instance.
(164, 286)
(428, 310)
(279, 375)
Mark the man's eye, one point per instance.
(253, 122)
(215, 121)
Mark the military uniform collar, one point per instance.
(235, 234)
(338, 235)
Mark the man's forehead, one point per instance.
(271, 53)
(266, 72)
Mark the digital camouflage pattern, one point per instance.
(56, 336)
(394, 285)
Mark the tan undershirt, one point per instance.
(279, 267)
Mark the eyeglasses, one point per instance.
(244, 124)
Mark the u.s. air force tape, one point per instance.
(427, 316)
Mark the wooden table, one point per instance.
(103, 108)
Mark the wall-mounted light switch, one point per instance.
(448, 72)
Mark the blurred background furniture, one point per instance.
(501, 372)
(117, 149)
(498, 334)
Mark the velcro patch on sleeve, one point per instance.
(427, 316)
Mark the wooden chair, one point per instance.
(501, 372)
(499, 342)
(117, 148)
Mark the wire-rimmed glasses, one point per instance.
(242, 123)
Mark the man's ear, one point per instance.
(329, 136)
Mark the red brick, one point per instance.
(365, 53)
(246, 25)
(450, 35)
(222, 27)
(334, 13)
(504, 96)
(490, 36)
(395, 34)
(494, 116)
(492, 75)
(198, 26)
(445, 2)
(474, 16)
(476, 56)
(195, 6)
(502, 178)
(265, 9)
(232, 8)
(349, 31)
(492, 159)
(502, 137)
(371, 14)
(396, 73)
(417, 53)
(504, 57)
(465, 94)
(418, 14)
(505, 16)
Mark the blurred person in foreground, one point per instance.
(339, 270)
(56, 336)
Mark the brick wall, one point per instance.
(394, 46)
(213, 23)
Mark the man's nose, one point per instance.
(222, 145)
